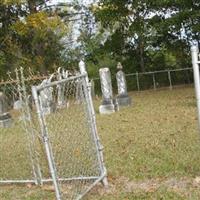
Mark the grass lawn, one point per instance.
(151, 149)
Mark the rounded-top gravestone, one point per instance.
(5, 117)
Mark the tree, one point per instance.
(130, 23)
(29, 36)
(144, 29)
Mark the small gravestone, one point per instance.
(46, 98)
(17, 105)
(5, 117)
(107, 106)
(61, 99)
(122, 98)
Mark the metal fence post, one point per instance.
(170, 80)
(195, 64)
(154, 81)
(99, 147)
(27, 125)
(137, 79)
(47, 144)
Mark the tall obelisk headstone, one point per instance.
(122, 98)
(107, 105)
(5, 117)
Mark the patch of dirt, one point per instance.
(123, 184)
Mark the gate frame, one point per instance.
(26, 112)
(48, 149)
(195, 64)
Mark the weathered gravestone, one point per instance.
(46, 97)
(61, 101)
(107, 106)
(5, 117)
(17, 105)
(122, 98)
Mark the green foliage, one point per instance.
(12, 2)
(29, 37)
(145, 35)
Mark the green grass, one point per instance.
(157, 136)
(151, 150)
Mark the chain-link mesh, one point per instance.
(182, 77)
(13, 139)
(16, 139)
(153, 80)
(131, 81)
(162, 79)
(21, 146)
(61, 116)
(67, 128)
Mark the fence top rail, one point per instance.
(2, 82)
(26, 79)
(39, 88)
(152, 72)
(160, 71)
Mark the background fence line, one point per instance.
(152, 80)
(137, 81)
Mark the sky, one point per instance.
(76, 25)
(85, 2)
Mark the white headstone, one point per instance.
(106, 85)
(122, 98)
(121, 83)
(17, 105)
(107, 105)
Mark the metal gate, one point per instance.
(52, 138)
(69, 135)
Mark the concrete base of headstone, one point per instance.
(123, 101)
(107, 109)
(5, 120)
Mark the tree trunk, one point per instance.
(32, 6)
(141, 53)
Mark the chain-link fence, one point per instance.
(16, 138)
(51, 137)
(152, 80)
